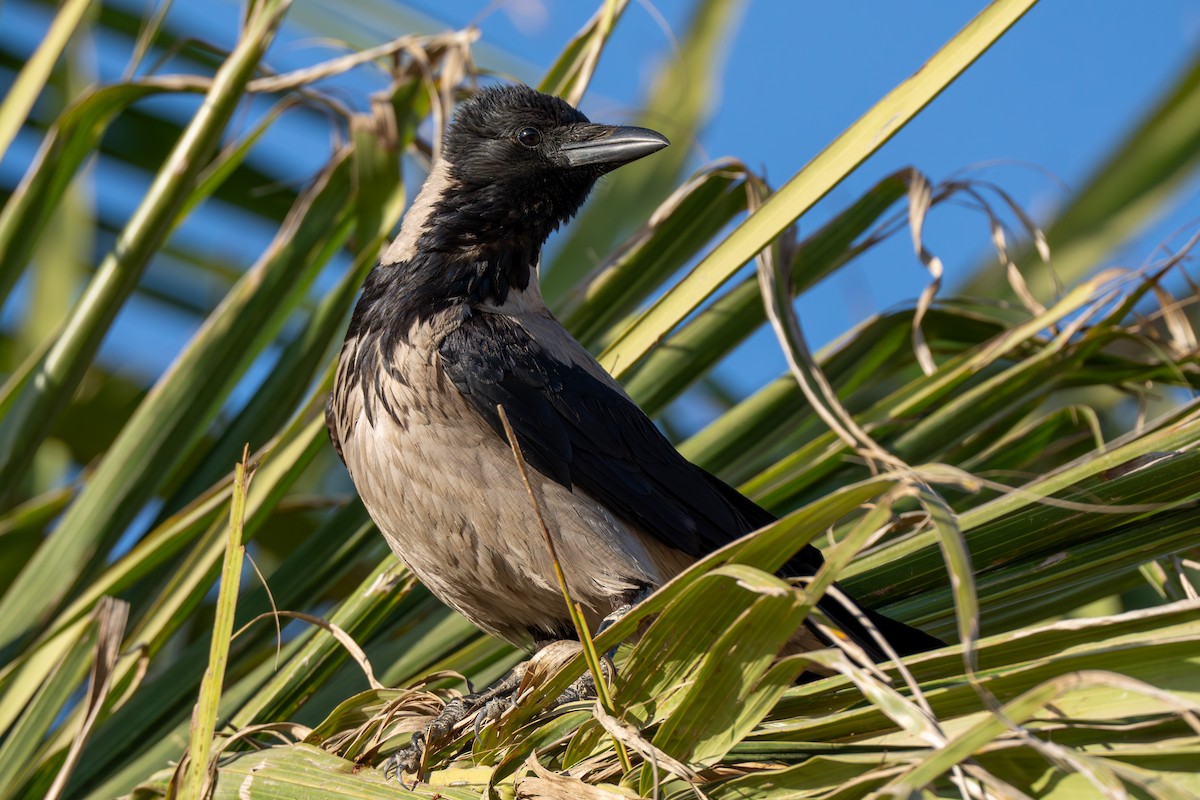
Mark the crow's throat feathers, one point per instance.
(439, 262)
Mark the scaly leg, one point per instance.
(486, 706)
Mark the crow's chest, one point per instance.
(445, 491)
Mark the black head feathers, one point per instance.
(515, 165)
(521, 163)
(493, 120)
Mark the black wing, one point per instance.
(579, 431)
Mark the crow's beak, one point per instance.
(613, 146)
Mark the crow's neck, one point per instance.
(483, 277)
(459, 246)
(458, 219)
(431, 282)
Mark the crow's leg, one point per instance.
(439, 729)
(490, 705)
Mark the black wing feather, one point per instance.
(580, 431)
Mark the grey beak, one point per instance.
(614, 147)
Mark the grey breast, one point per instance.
(445, 491)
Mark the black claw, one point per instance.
(441, 728)
(406, 760)
(478, 726)
(487, 707)
(492, 710)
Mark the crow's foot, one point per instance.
(490, 705)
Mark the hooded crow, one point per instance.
(450, 325)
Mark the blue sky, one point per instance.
(1056, 94)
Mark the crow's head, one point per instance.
(518, 163)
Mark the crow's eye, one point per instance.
(530, 137)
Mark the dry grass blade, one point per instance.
(606, 17)
(1182, 336)
(817, 390)
(262, 581)
(632, 738)
(547, 785)
(975, 189)
(1180, 574)
(346, 640)
(537, 506)
(110, 615)
(1015, 279)
(920, 198)
(901, 710)
(141, 667)
(883, 644)
(285, 732)
(407, 711)
(576, 612)
(147, 32)
(421, 48)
